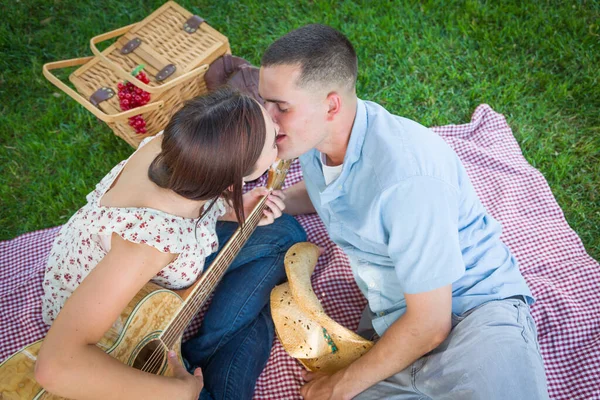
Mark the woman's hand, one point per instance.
(195, 382)
(275, 204)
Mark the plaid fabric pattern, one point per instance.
(564, 279)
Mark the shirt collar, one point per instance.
(355, 144)
(357, 135)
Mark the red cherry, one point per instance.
(142, 130)
(120, 86)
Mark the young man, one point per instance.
(445, 294)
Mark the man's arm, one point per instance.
(426, 324)
(297, 201)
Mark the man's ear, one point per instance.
(334, 104)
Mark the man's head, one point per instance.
(308, 79)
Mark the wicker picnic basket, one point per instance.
(175, 47)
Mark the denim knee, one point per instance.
(287, 231)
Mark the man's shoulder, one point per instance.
(384, 125)
(400, 148)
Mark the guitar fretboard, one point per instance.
(213, 274)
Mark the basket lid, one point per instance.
(170, 35)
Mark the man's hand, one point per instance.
(425, 324)
(321, 386)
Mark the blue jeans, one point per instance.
(491, 353)
(235, 338)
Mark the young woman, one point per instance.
(154, 217)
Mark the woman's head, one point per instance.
(214, 143)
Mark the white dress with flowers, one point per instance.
(85, 240)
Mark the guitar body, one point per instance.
(131, 340)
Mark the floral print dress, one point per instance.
(85, 239)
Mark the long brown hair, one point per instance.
(208, 147)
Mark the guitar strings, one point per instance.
(192, 309)
(157, 357)
(234, 248)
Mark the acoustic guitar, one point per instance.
(152, 323)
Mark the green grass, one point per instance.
(536, 62)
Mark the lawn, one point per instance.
(537, 62)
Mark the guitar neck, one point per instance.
(205, 285)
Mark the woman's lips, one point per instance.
(280, 138)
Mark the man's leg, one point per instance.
(238, 301)
(492, 353)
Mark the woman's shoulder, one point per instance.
(107, 181)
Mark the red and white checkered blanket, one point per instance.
(562, 277)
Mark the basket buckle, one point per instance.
(131, 46)
(165, 72)
(100, 95)
(192, 24)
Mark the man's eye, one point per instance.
(281, 109)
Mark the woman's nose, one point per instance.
(271, 109)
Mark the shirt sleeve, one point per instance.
(420, 216)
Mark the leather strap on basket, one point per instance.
(192, 24)
(165, 72)
(101, 95)
(131, 46)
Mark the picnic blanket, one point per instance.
(564, 279)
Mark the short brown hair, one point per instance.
(324, 55)
(209, 145)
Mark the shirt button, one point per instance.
(495, 290)
(371, 285)
(381, 314)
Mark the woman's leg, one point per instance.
(236, 321)
(233, 371)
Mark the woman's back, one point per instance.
(128, 204)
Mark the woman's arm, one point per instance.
(70, 364)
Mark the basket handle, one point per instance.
(127, 76)
(86, 103)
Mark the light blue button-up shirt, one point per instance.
(405, 212)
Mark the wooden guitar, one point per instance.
(152, 323)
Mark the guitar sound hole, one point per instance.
(151, 358)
